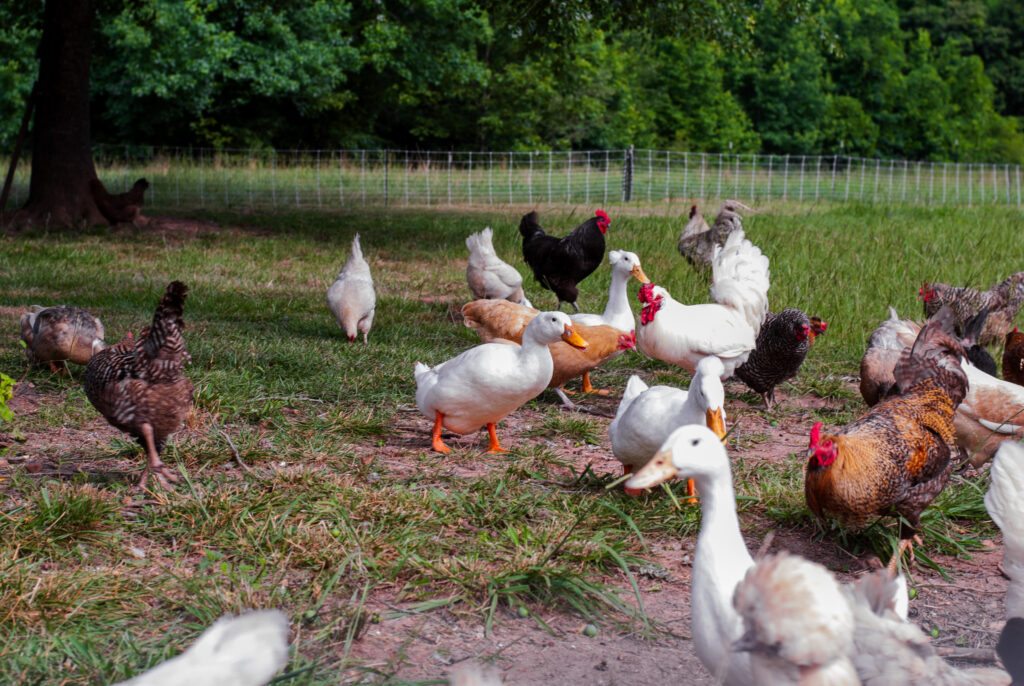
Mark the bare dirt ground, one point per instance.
(964, 611)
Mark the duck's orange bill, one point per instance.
(639, 275)
(715, 422)
(574, 339)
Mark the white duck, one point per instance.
(647, 415)
(727, 328)
(720, 560)
(486, 383)
(487, 275)
(351, 297)
(617, 313)
(247, 650)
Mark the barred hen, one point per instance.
(1013, 357)
(139, 386)
(1003, 301)
(782, 345)
(559, 264)
(897, 457)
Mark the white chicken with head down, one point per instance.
(617, 312)
(486, 383)
(647, 415)
(727, 328)
(351, 297)
(487, 275)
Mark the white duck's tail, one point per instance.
(1005, 504)
(634, 387)
(420, 371)
(247, 650)
(740, 279)
(481, 243)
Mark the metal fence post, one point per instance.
(627, 176)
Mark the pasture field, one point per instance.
(311, 485)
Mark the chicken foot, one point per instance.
(154, 465)
(905, 544)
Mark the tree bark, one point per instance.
(62, 163)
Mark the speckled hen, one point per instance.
(139, 386)
(782, 345)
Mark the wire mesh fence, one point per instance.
(332, 178)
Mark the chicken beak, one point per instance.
(714, 420)
(573, 338)
(658, 470)
(639, 275)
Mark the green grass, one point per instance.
(344, 499)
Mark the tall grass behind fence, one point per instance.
(336, 178)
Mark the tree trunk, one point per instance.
(62, 164)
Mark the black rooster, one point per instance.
(560, 263)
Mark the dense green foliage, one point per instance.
(919, 79)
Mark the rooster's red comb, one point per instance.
(601, 214)
(815, 434)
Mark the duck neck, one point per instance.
(720, 539)
(618, 301)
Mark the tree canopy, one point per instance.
(922, 79)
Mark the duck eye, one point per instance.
(695, 441)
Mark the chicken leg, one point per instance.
(905, 544)
(164, 476)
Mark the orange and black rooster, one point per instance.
(138, 384)
(1003, 301)
(122, 207)
(896, 458)
(1013, 357)
(560, 263)
(782, 345)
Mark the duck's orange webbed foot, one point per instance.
(631, 492)
(494, 447)
(437, 444)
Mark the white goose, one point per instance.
(721, 559)
(486, 383)
(647, 415)
(617, 312)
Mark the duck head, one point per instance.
(691, 450)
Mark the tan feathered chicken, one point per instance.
(487, 275)
(1013, 357)
(351, 298)
(885, 345)
(899, 454)
(59, 334)
(139, 386)
(501, 320)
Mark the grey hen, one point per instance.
(782, 345)
(139, 386)
(697, 242)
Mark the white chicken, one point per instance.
(1005, 504)
(247, 650)
(487, 275)
(727, 328)
(351, 297)
(992, 413)
(617, 312)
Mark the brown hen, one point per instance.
(120, 207)
(1013, 357)
(896, 458)
(501, 320)
(138, 384)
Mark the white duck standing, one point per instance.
(247, 650)
(617, 313)
(487, 275)
(351, 297)
(727, 328)
(647, 415)
(721, 559)
(486, 383)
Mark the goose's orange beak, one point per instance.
(639, 275)
(573, 338)
(715, 422)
